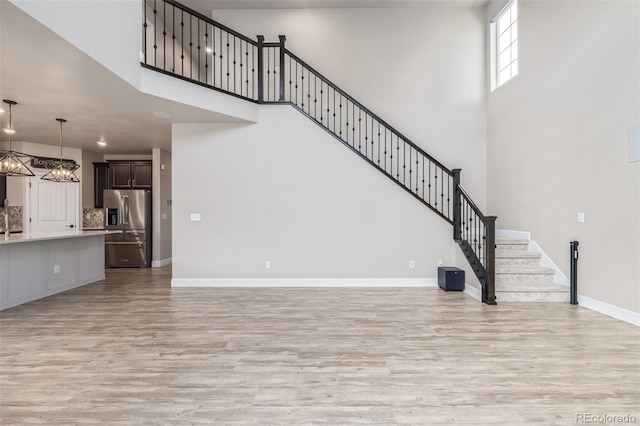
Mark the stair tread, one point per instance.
(524, 269)
(507, 241)
(517, 255)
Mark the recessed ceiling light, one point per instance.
(12, 131)
(102, 143)
(162, 114)
(209, 50)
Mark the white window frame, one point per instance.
(504, 59)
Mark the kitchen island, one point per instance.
(37, 265)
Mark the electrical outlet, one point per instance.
(195, 217)
(164, 216)
(267, 264)
(440, 263)
(56, 269)
(412, 264)
(580, 217)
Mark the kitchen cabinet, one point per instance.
(100, 182)
(3, 188)
(130, 174)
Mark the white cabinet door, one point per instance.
(53, 206)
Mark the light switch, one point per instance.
(580, 217)
(164, 216)
(195, 217)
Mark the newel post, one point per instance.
(489, 289)
(260, 69)
(282, 40)
(457, 206)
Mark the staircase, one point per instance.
(183, 43)
(520, 278)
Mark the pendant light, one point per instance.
(13, 163)
(62, 171)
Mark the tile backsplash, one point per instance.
(93, 218)
(15, 218)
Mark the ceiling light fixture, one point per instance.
(102, 143)
(13, 163)
(62, 171)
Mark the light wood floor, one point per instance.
(131, 350)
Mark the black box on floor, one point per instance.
(450, 278)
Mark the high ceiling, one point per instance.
(206, 6)
(50, 78)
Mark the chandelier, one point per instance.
(13, 163)
(62, 171)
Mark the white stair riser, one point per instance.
(531, 286)
(517, 261)
(522, 296)
(523, 278)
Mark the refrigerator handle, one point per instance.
(125, 219)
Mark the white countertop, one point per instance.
(43, 236)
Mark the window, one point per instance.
(504, 30)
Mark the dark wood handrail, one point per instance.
(210, 21)
(368, 111)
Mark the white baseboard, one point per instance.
(610, 310)
(159, 263)
(304, 282)
(473, 292)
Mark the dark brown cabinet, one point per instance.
(3, 189)
(130, 174)
(120, 175)
(100, 182)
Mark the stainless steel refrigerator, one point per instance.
(128, 211)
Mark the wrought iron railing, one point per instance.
(184, 43)
(366, 134)
(475, 234)
(208, 53)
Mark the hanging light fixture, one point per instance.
(13, 163)
(62, 171)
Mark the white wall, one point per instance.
(420, 69)
(283, 190)
(162, 217)
(557, 141)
